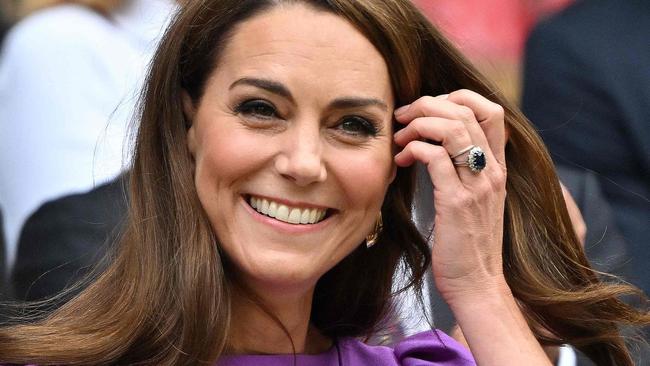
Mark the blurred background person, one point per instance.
(65, 239)
(493, 35)
(7, 14)
(587, 88)
(70, 72)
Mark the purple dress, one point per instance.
(432, 348)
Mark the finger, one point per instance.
(423, 107)
(445, 108)
(441, 170)
(490, 118)
(451, 134)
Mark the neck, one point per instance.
(267, 323)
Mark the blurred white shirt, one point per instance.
(69, 82)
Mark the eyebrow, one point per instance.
(354, 102)
(268, 85)
(281, 90)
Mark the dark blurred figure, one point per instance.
(604, 244)
(6, 19)
(65, 238)
(70, 75)
(7, 16)
(587, 88)
(4, 26)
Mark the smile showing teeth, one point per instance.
(291, 215)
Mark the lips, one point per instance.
(286, 213)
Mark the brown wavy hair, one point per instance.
(165, 298)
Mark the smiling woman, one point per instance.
(268, 161)
(297, 119)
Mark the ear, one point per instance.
(189, 112)
(188, 107)
(393, 173)
(191, 141)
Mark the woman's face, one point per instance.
(292, 144)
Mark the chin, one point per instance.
(288, 274)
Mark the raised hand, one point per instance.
(468, 232)
(469, 205)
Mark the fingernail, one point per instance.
(443, 96)
(402, 110)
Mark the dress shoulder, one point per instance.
(430, 348)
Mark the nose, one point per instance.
(301, 158)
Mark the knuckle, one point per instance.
(497, 178)
(419, 148)
(464, 200)
(491, 186)
(465, 114)
(430, 153)
(410, 150)
(485, 189)
(498, 110)
(423, 102)
(438, 152)
(427, 107)
(419, 124)
(426, 99)
(459, 93)
(458, 131)
(504, 170)
(499, 175)
(411, 147)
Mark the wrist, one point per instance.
(478, 293)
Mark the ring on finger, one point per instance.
(461, 152)
(475, 160)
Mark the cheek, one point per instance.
(223, 156)
(365, 176)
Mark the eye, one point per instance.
(358, 126)
(257, 108)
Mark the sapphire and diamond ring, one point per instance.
(475, 160)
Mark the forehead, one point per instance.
(297, 43)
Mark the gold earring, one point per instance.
(371, 239)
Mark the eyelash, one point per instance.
(248, 108)
(368, 128)
(264, 110)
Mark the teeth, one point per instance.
(304, 218)
(292, 215)
(283, 213)
(272, 210)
